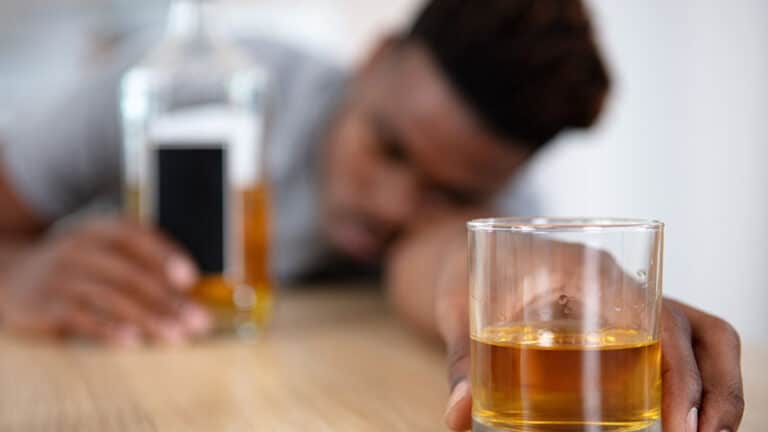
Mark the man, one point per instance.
(391, 162)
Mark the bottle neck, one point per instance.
(190, 20)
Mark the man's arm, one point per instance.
(107, 279)
(411, 281)
(16, 218)
(425, 259)
(19, 225)
(427, 283)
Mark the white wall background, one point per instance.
(684, 139)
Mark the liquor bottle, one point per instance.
(194, 116)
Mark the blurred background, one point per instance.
(684, 138)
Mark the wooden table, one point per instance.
(335, 360)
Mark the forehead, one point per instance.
(438, 130)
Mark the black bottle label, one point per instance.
(190, 200)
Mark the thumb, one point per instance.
(452, 316)
(458, 411)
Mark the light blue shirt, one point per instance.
(60, 131)
(62, 149)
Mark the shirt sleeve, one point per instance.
(64, 152)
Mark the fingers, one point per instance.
(114, 309)
(458, 415)
(46, 323)
(451, 312)
(116, 271)
(453, 325)
(81, 321)
(680, 374)
(718, 351)
(458, 412)
(126, 295)
(129, 275)
(150, 249)
(108, 279)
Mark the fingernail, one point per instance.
(692, 423)
(197, 319)
(181, 272)
(459, 392)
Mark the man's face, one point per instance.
(404, 149)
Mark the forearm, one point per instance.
(20, 225)
(11, 248)
(411, 291)
(421, 266)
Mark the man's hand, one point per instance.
(700, 370)
(110, 280)
(702, 389)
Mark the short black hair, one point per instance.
(528, 68)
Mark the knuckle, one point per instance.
(128, 311)
(729, 334)
(729, 398)
(456, 357)
(137, 232)
(735, 397)
(150, 288)
(74, 289)
(722, 333)
(677, 319)
(95, 226)
(67, 246)
(695, 385)
(126, 223)
(458, 366)
(64, 259)
(151, 243)
(120, 233)
(687, 384)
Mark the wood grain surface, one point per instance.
(334, 360)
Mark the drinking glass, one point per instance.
(565, 324)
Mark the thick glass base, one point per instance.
(567, 427)
(242, 324)
(243, 311)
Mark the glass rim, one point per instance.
(554, 224)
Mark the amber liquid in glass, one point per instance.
(545, 378)
(237, 300)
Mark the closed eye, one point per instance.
(390, 145)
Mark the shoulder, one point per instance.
(295, 69)
(306, 89)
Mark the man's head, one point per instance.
(442, 116)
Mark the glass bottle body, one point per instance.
(194, 116)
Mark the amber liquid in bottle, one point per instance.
(530, 378)
(241, 299)
(195, 116)
(246, 297)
